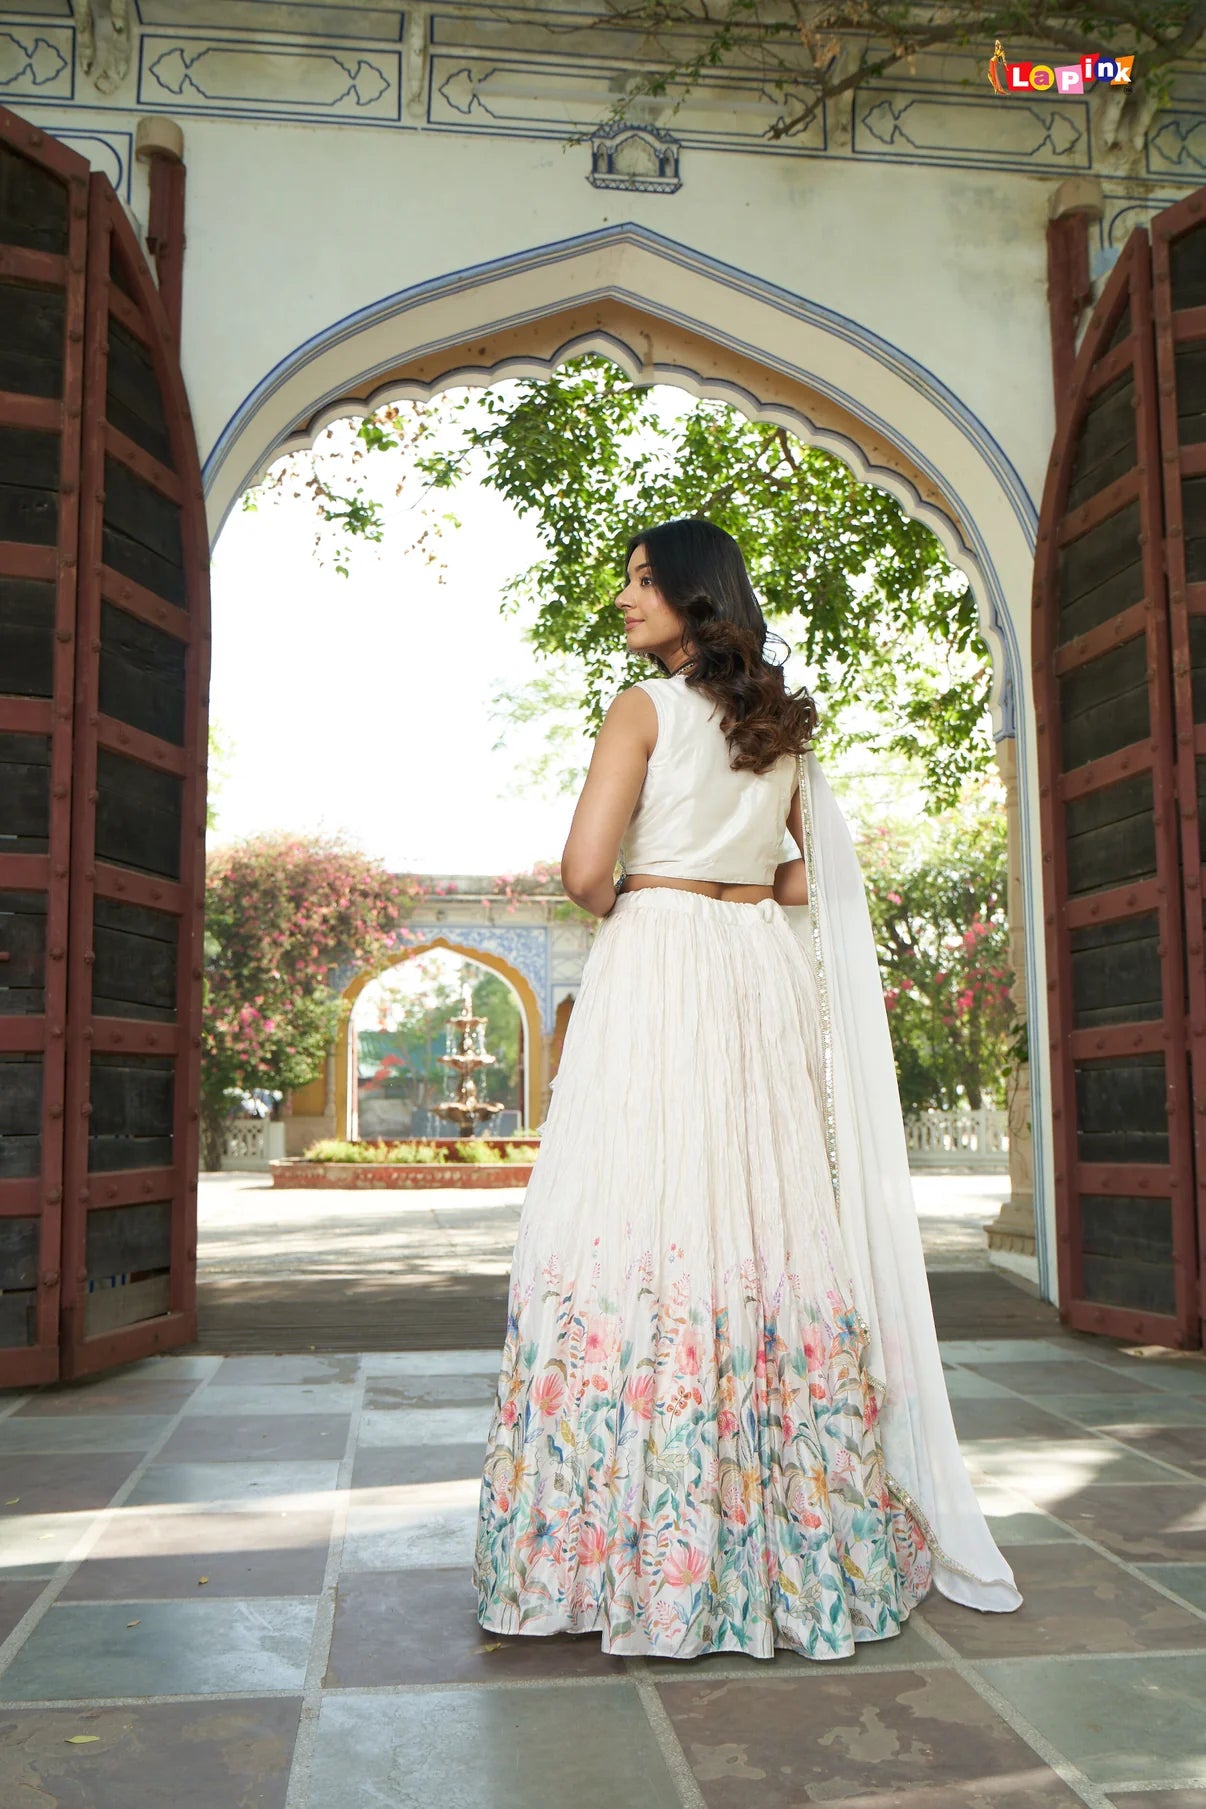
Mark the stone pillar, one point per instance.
(311, 1113)
(353, 1101)
(1011, 1238)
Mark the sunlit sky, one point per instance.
(360, 703)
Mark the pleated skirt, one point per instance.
(683, 1452)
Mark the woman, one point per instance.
(720, 1423)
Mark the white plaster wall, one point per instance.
(291, 228)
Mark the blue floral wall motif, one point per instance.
(527, 947)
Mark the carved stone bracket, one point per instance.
(641, 159)
(103, 28)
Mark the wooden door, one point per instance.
(43, 248)
(1179, 288)
(103, 665)
(1109, 718)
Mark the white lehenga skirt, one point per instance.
(683, 1452)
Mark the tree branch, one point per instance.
(749, 34)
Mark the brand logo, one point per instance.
(1059, 78)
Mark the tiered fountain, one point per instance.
(466, 1055)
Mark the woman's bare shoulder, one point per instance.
(633, 713)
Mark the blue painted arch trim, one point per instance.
(829, 320)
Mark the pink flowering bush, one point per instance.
(936, 892)
(281, 913)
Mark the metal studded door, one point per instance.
(1113, 841)
(103, 660)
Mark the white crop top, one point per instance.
(696, 818)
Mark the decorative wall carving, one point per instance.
(641, 159)
(947, 129)
(568, 96)
(191, 75)
(104, 41)
(556, 74)
(36, 63)
(1177, 146)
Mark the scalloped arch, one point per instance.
(670, 313)
(534, 1039)
(675, 376)
(665, 314)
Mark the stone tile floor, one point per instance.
(243, 1583)
(351, 1269)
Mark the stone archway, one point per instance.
(666, 313)
(535, 1043)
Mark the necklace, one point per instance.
(693, 661)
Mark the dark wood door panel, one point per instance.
(138, 825)
(1115, 937)
(43, 228)
(1179, 286)
(103, 673)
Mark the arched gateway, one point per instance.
(102, 723)
(532, 1040)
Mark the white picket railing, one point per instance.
(253, 1143)
(965, 1139)
(973, 1138)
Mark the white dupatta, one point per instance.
(869, 1166)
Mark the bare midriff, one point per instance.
(711, 888)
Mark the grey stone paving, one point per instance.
(250, 1232)
(244, 1581)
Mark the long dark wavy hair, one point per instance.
(700, 572)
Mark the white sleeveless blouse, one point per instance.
(696, 818)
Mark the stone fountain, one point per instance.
(466, 1055)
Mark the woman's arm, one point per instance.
(608, 798)
(791, 879)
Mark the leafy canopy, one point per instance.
(863, 591)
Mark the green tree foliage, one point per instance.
(862, 590)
